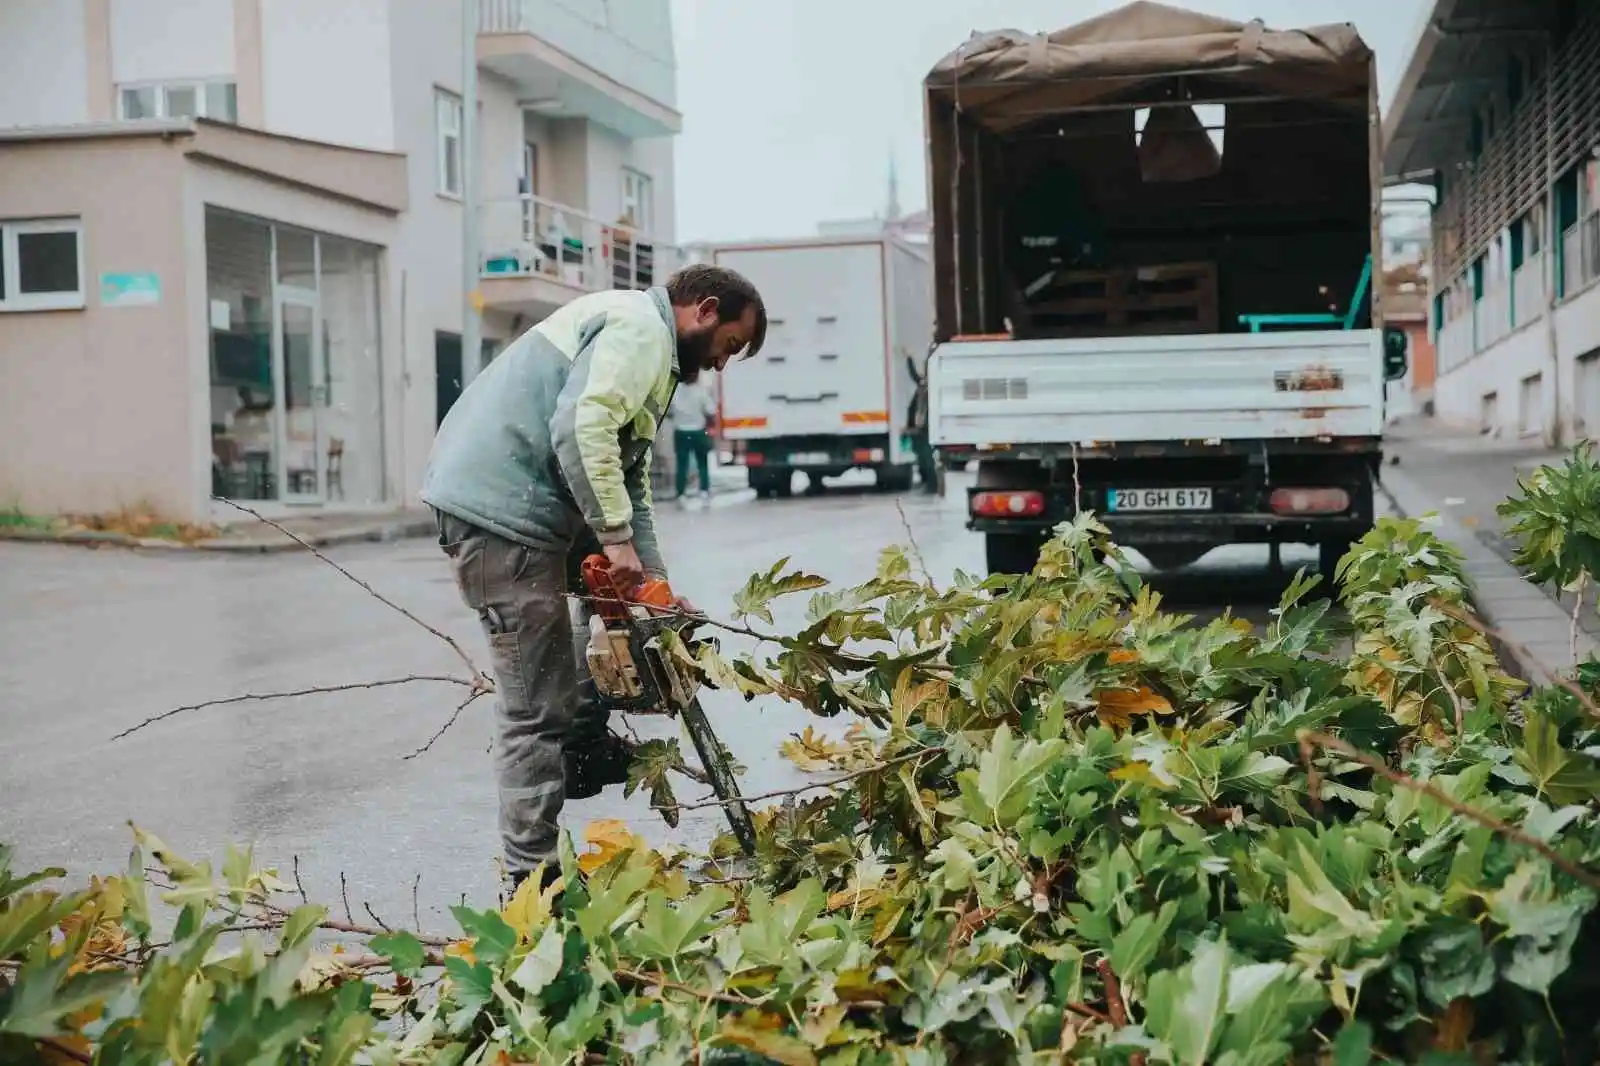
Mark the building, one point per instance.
(1499, 110)
(231, 231)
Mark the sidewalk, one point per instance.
(1464, 477)
(321, 529)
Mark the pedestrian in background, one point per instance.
(694, 418)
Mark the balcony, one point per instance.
(538, 254)
(608, 61)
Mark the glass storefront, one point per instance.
(296, 374)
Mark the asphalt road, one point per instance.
(95, 641)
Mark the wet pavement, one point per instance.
(97, 640)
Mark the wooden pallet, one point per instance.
(1132, 301)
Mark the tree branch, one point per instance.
(352, 686)
(1469, 619)
(64, 1050)
(374, 593)
(829, 783)
(455, 714)
(1438, 795)
(911, 541)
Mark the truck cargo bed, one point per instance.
(1234, 386)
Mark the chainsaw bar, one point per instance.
(714, 757)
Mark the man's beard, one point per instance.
(694, 354)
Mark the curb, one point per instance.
(1503, 598)
(392, 531)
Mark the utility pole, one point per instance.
(472, 299)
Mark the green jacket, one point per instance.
(555, 434)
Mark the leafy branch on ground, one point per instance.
(1066, 825)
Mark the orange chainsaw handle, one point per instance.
(610, 600)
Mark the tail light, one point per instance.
(869, 455)
(1309, 501)
(1008, 504)
(754, 459)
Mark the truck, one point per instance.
(849, 320)
(1155, 236)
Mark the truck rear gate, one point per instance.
(830, 390)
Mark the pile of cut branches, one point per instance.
(1071, 827)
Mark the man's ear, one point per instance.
(708, 307)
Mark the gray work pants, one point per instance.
(536, 641)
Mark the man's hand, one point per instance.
(686, 607)
(626, 569)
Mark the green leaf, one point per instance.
(403, 951)
(1353, 1046)
(1195, 1018)
(492, 939)
(543, 964)
(1137, 944)
(301, 923)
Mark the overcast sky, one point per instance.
(792, 108)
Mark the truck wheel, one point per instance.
(1328, 555)
(1173, 556)
(1011, 553)
(895, 478)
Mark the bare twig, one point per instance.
(374, 916)
(1577, 611)
(650, 980)
(374, 593)
(1090, 1012)
(829, 783)
(344, 894)
(911, 541)
(334, 925)
(416, 911)
(691, 616)
(1115, 1004)
(455, 714)
(1438, 795)
(298, 884)
(316, 690)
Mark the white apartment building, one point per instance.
(1499, 109)
(231, 231)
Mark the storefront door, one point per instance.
(301, 369)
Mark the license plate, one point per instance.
(808, 458)
(1158, 500)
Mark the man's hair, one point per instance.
(732, 290)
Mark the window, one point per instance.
(41, 265)
(448, 122)
(638, 196)
(215, 100)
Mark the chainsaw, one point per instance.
(634, 671)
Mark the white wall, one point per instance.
(427, 257)
(1458, 395)
(159, 40)
(655, 156)
(325, 70)
(44, 77)
(501, 135)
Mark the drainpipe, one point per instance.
(471, 323)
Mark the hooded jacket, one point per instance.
(555, 434)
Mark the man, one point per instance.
(917, 429)
(543, 460)
(693, 414)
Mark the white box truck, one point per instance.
(848, 318)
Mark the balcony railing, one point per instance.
(534, 238)
(1494, 315)
(1580, 254)
(1527, 291)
